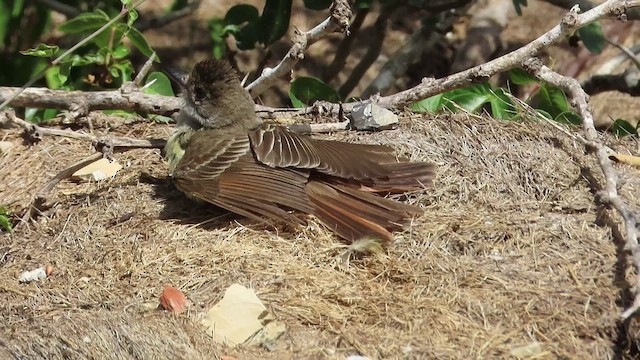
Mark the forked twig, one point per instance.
(610, 194)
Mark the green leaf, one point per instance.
(216, 30)
(120, 52)
(569, 117)
(306, 90)
(158, 83)
(242, 22)
(502, 106)
(521, 77)
(64, 71)
(471, 98)
(5, 222)
(126, 2)
(552, 100)
(5, 17)
(122, 68)
(622, 128)
(593, 37)
(317, 4)
(274, 21)
(85, 22)
(519, 4)
(49, 114)
(42, 50)
(97, 58)
(122, 114)
(240, 14)
(132, 17)
(31, 114)
(431, 104)
(138, 40)
(18, 5)
(160, 119)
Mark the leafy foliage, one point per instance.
(471, 99)
(104, 62)
(593, 37)
(248, 27)
(306, 90)
(548, 100)
(5, 220)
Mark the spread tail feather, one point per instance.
(355, 214)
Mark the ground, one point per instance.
(512, 249)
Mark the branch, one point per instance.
(36, 132)
(585, 5)
(610, 194)
(82, 102)
(125, 99)
(569, 24)
(339, 19)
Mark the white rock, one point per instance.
(33, 275)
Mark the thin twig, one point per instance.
(339, 19)
(39, 75)
(38, 203)
(145, 69)
(610, 194)
(36, 132)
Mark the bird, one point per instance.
(222, 153)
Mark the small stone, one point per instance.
(372, 117)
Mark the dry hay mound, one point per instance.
(512, 249)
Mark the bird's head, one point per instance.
(214, 97)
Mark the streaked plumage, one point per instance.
(221, 153)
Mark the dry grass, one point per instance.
(512, 249)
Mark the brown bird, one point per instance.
(222, 153)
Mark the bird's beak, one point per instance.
(179, 77)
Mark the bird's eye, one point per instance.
(199, 93)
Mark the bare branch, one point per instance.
(81, 101)
(145, 69)
(57, 60)
(610, 194)
(569, 23)
(36, 132)
(339, 19)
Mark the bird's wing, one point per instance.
(221, 170)
(206, 157)
(277, 146)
